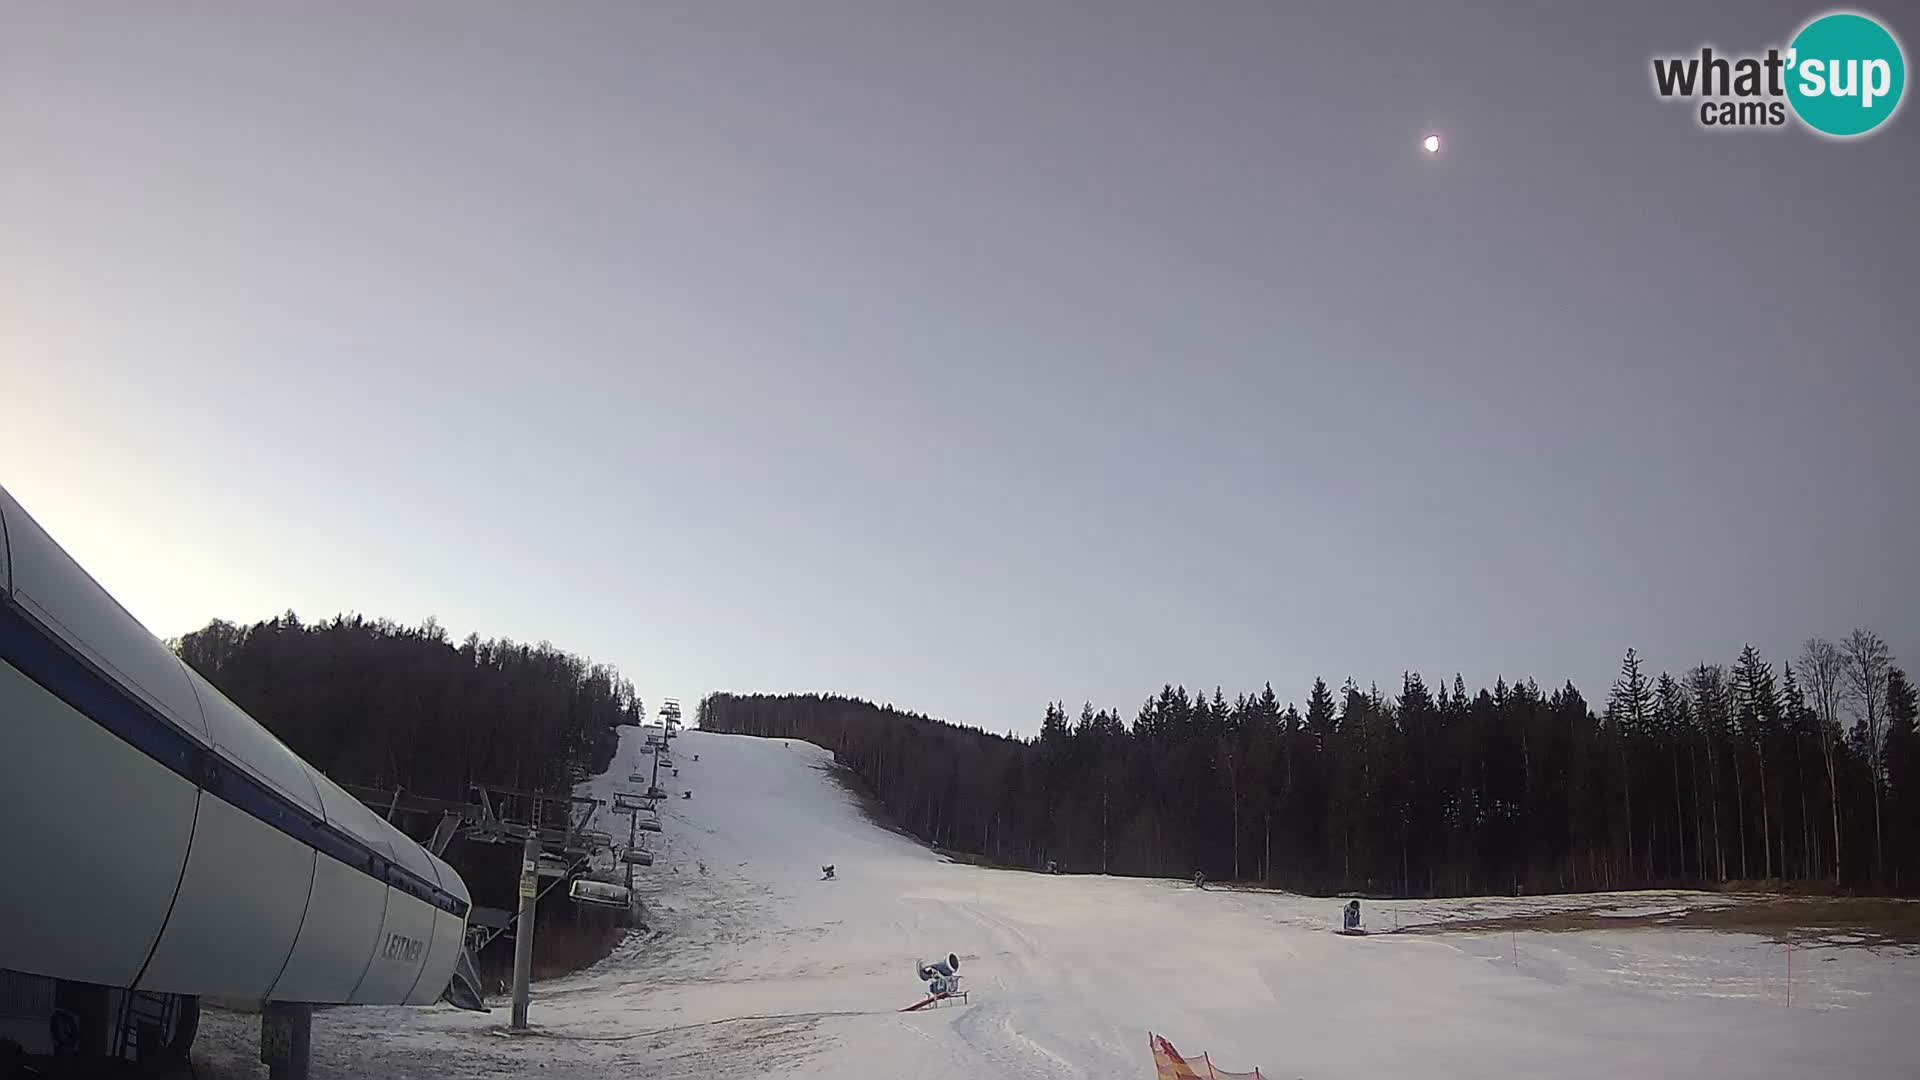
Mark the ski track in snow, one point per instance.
(1067, 973)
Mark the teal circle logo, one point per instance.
(1845, 74)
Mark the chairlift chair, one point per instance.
(599, 893)
(636, 856)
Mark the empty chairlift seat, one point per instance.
(599, 893)
(637, 856)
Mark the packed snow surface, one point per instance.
(1068, 973)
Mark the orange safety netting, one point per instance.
(1169, 1065)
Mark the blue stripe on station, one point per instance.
(97, 696)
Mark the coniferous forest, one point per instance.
(377, 703)
(1801, 770)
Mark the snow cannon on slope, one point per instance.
(942, 982)
(937, 969)
(1350, 920)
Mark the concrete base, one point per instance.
(286, 1039)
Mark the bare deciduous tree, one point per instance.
(1866, 661)
(1822, 668)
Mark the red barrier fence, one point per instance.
(1169, 1065)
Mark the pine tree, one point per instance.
(1670, 710)
(1796, 722)
(1320, 716)
(1267, 708)
(1629, 706)
(1756, 714)
(1417, 712)
(1900, 763)
(1231, 758)
(1710, 708)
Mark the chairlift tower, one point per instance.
(669, 717)
(523, 932)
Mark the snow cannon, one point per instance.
(1350, 920)
(942, 983)
(938, 969)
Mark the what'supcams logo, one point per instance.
(1842, 76)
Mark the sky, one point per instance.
(961, 356)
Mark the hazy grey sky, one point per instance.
(962, 355)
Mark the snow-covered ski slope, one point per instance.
(1068, 973)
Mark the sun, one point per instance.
(1431, 143)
